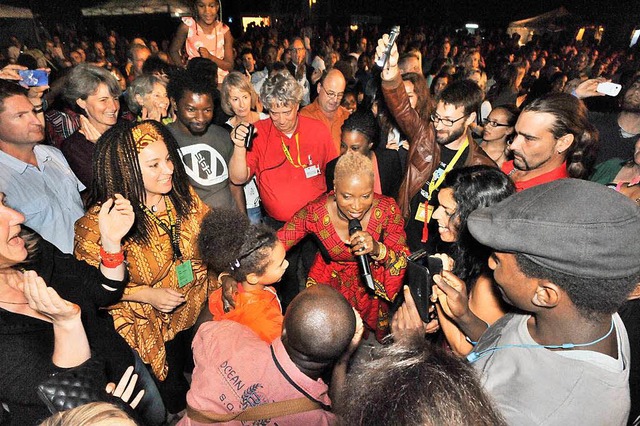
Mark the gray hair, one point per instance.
(142, 86)
(281, 89)
(84, 79)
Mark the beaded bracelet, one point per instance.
(111, 260)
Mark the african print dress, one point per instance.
(386, 225)
(145, 328)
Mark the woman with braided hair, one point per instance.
(168, 284)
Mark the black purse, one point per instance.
(74, 387)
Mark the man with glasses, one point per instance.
(438, 144)
(455, 112)
(298, 68)
(326, 106)
(289, 156)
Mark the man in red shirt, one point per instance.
(289, 156)
(554, 140)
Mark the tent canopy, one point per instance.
(552, 20)
(15, 12)
(139, 7)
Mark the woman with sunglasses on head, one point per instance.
(498, 131)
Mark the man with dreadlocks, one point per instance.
(168, 284)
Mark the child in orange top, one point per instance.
(252, 255)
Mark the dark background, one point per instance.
(621, 16)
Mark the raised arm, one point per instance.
(177, 44)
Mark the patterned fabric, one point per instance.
(59, 125)
(143, 327)
(386, 225)
(214, 42)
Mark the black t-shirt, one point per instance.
(414, 227)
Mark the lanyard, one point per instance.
(173, 230)
(288, 154)
(435, 185)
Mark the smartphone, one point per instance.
(34, 78)
(393, 35)
(419, 279)
(609, 88)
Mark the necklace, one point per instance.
(154, 207)
(14, 303)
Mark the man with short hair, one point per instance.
(36, 179)
(618, 132)
(137, 55)
(235, 370)
(566, 257)
(248, 61)
(554, 140)
(326, 107)
(205, 148)
(437, 146)
(410, 62)
(298, 68)
(289, 156)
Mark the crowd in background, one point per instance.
(226, 172)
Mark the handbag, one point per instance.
(74, 387)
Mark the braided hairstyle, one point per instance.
(116, 170)
(229, 243)
(570, 115)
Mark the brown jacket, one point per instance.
(424, 152)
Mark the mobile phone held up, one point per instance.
(393, 35)
(608, 88)
(419, 279)
(34, 78)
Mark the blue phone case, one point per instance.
(34, 77)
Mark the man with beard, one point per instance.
(204, 147)
(554, 140)
(619, 132)
(437, 143)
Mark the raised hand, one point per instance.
(88, 130)
(115, 219)
(452, 295)
(46, 300)
(391, 68)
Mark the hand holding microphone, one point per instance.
(361, 244)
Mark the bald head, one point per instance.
(330, 91)
(318, 325)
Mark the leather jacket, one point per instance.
(424, 151)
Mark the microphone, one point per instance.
(363, 259)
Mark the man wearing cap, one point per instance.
(554, 140)
(566, 256)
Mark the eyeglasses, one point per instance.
(299, 49)
(495, 124)
(445, 121)
(332, 95)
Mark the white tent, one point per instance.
(550, 22)
(12, 12)
(139, 7)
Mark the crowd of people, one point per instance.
(224, 227)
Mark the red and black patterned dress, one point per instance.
(386, 225)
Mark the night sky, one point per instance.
(490, 12)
